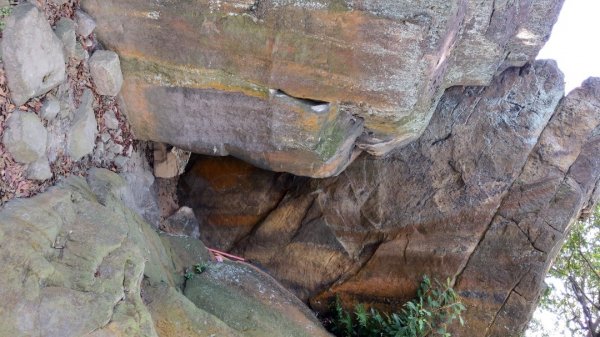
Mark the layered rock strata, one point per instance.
(485, 197)
(304, 87)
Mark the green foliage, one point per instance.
(574, 282)
(200, 268)
(435, 307)
(4, 12)
(197, 269)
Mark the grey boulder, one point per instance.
(65, 30)
(84, 128)
(81, 54)
(85, 23)
(106, 72)
(121, 162)
(25, 137)
(182, 222)
(50, 108)
(110, 120)
(33, 55)
(39, 170)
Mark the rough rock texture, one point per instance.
(240, 294)
(230, 197)
(39, 170)
(175, 315)
(484, 197)
(85, 23)
(303, 86)
(182, 222)
(50, 109)
(82, 135)
(110, 120)
(73, 263)
(59, 2)
(65, 30)
(560, 181)
(32, 54)
(73, 266)
(141, 182)
(25, 137)
(106, 72)
(169, 163)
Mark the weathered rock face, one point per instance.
(560, 181)
(33, 55)
(77, 262)
(484, 197)
(25, 137)
(217, 186)
(106, 72)
(84, 127)
(303, 87)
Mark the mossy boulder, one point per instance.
(78, 262)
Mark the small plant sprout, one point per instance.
(200, 268)
(189, 275)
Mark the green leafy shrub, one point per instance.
(4, 12)
(435, 307)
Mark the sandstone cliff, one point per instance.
(303, 87)
(485, 196)
(374, 142)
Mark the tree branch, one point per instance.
(589, 264)
(583, 301)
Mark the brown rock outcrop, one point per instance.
(216, 185)
(484, 197)
(303, 87)
(560, 181)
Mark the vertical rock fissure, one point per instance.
(505, 195)
(510, 293)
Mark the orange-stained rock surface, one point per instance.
(303, 87)
(215, 185)
(485, 197)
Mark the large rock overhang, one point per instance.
(304, 87)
